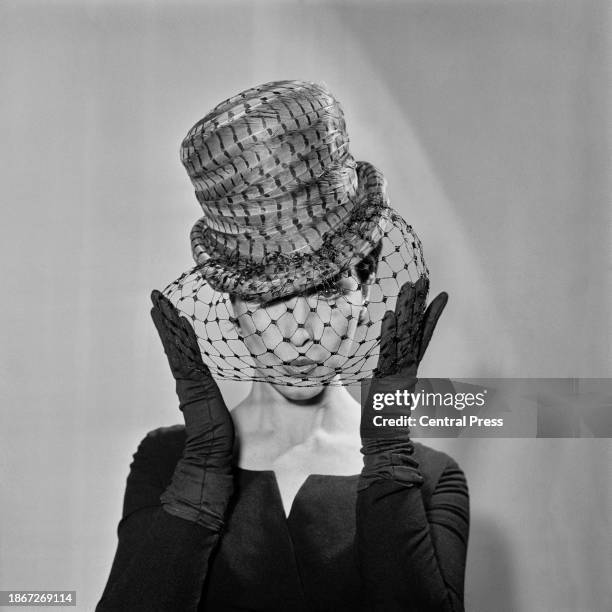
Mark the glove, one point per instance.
(202, 482)
(405, 336)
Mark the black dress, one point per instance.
(387, 547)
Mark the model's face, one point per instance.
(305, 337)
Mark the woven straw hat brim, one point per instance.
(284, 275)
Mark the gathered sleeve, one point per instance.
(161, 560)
(412, 542)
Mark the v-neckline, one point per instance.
(300, 490)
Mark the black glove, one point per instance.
(405, 335)
(202, 482)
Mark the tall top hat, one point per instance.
(285, 204)
(285, 209)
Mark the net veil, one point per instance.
(298, 252)
(325, 335)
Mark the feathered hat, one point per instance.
(284, 203)
(286, 209)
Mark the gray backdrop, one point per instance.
(490, 120)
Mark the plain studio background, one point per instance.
(490, 121)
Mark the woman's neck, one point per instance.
(266, 411)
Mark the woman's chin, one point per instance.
(297, 393)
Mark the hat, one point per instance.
(284, 203)
(286, 212)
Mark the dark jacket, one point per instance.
(388, 547)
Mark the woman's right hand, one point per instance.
(179, 340)
(202, 481)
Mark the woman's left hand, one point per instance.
(406, 332)
(405, 336)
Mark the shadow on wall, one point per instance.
(491, 580)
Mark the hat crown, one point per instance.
(271, 170)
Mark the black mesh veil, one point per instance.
(328, 334)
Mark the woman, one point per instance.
(292, 502)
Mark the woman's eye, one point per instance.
(336, 292)
(331, 292)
